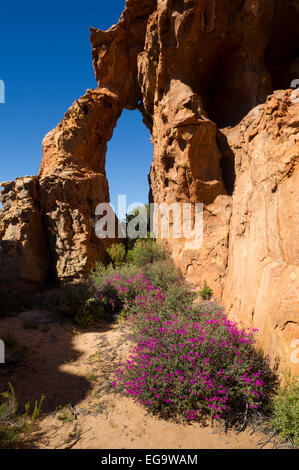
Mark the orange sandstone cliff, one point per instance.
(212, 80)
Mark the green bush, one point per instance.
(119, 291)
(91, 312)
(118, 287)
(117, 253)
(78, 301)
(162, 273)
(101, 273)
(13, 425)
(67, 299)
(206, 293)
(286, 409)
(146, 251)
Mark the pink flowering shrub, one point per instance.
(189, 361)
(121, 288)
(120, 292)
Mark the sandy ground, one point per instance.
(74, 370)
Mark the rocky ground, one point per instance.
(74, 370)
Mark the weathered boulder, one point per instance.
(24, 254)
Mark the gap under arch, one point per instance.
(128, 160)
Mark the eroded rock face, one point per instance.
(262, 281)
(203, 67)
(200, 72)
(186, 169)
(48, 223)
(115, 52)
(73, 182)
(24, 254)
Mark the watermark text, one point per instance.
(163, 221)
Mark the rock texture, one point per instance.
(24, 254)
(73, 182)
(202, 73)
(48, 223)
(186, 169)
(262, 282)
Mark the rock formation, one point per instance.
(24, 254)
(203, 74)
(262, 280)
(72, 182)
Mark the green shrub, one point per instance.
(123, 315)
(78, 301)
(178, 299)
(91, 312)
(119, 292)
(118, 287)
(13, 425)
(206, 293)
(66, 300)
(286, 409)
(107, 281)
(146, 251)
(65, 415)
(36, 409)
(162, 273)
(117, 253)
(101, 273)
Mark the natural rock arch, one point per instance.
(190, 67)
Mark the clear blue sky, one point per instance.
(45, 62)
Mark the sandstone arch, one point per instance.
(194, 69)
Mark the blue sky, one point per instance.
(45, 63)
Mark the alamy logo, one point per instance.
(176, 221)
(2, 352)
(2, 92)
